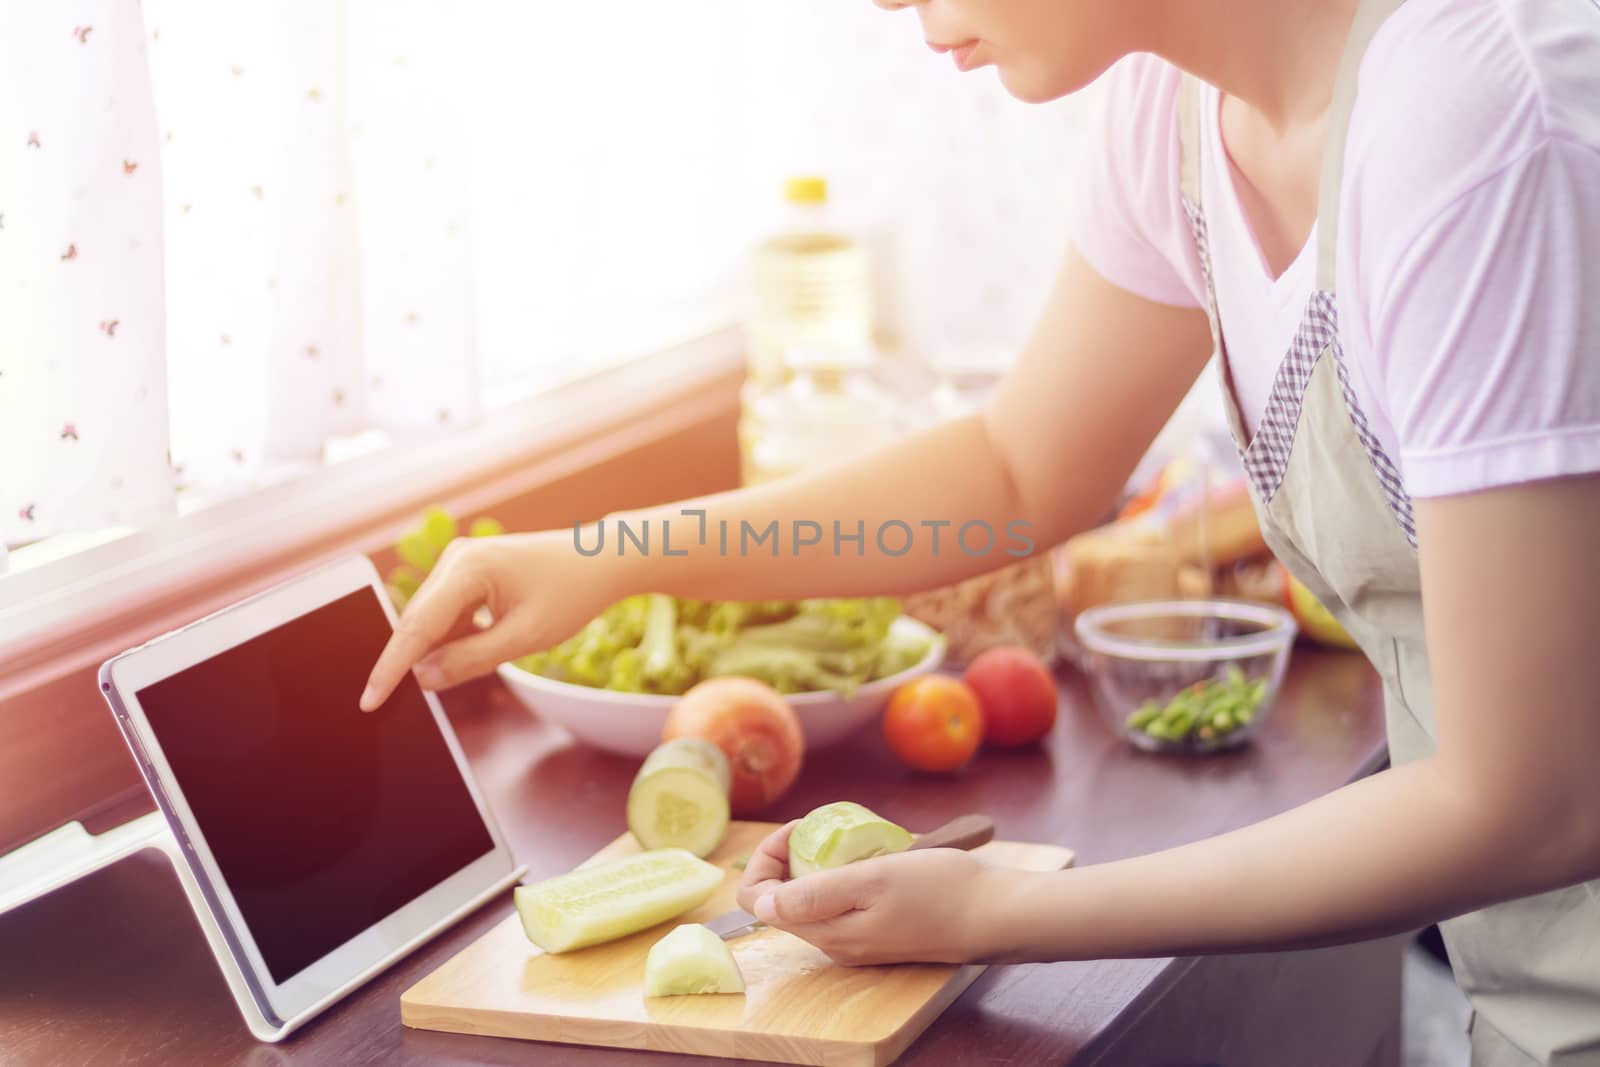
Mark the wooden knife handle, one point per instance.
(964, 832)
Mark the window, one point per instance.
(244, 241)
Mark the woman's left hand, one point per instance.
(935, 905)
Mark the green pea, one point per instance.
(1223, 721)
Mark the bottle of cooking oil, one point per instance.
(830, 408)
(811, 290)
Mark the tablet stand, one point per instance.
(70, 853)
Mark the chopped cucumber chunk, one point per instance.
(690, 960)
(679, 798)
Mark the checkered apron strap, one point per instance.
(1265, 455)
(1369, 16)
(1191, 194)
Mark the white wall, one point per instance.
(648, 142)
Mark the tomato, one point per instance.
(1016, 694)
(933, 723)
(755, 728)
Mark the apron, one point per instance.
(1333, 509)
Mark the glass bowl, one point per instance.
(1185, 675)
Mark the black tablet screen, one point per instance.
(323, 819)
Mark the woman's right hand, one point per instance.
(538, 592)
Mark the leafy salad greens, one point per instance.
(659, 644)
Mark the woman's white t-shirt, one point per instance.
(1468, 282)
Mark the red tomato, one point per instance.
(933, 723)
(1016, 693)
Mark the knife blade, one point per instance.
(735, 923)
(963, 832)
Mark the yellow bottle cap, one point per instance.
(807, 190)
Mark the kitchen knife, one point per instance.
(963, 832)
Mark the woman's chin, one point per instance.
(1033, 86)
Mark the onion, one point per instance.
(755, 728)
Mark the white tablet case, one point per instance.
(70, 853)
(238, 984)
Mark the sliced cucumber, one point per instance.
(679, 798)
(840, 833)
(614, 899)
(689, 960)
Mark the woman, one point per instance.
(1385, 217)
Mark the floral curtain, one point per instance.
(83, 394)
(257, 210)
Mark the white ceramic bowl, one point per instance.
(631, 723)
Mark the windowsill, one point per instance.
(59, 547)
(652, 430)
(46, 600)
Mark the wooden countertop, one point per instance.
(114, 969)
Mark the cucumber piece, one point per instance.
(840, 833)
(690, 960)
(614, 899)
(679, 798)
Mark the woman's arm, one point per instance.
(1508, 806)
(1101, 374)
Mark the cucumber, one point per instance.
(679, 798)
(840, 833)
(689, 960)
(614, 899)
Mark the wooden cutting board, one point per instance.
(798, 1007)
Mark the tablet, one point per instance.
(324, 842)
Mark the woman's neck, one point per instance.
(1280, 57)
